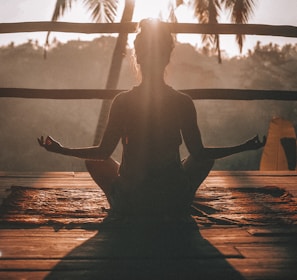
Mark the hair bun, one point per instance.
(154, 38)
(153, 25)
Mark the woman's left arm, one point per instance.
(251, 144)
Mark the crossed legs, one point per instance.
(105, 172)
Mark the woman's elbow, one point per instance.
(102, 154)
(198, 153)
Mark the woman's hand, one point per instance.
(50, 144)
(255, 143)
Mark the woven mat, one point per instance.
(40, 206)
(269, 205)
(256, 206)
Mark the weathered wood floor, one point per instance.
(150, 252)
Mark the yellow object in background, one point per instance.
(281, 136)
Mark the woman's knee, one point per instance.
(197, 171)
(190, 164)
(104, 173)
(104, 168)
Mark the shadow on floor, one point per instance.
(146, 251)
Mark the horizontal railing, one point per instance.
(209, 93)
(131, 27)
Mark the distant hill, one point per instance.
(79, 64)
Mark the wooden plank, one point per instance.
(214, 178)
(47, 179)
(155, 270)
(260, 173)
(269, 271)
(196, 94)
(218, 237)
(235, 252)
(249, 235)
(52, 174)
(281, 252)
(104, 249)
(214, 174)
(250, 269)
(49, 184)
(26, 234)
(87, 28)
(255, 241)
(32, 275)
(283, 231)
(133, 271)
(268, 263)
(131, 27)
(79, 264)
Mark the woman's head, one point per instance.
(153, 44)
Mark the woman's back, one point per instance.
(151, 131)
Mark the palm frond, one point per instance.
(103, 11)
(201, 10)
(207, 11)
(213, 10)
(241, 10)
(60, 8)
(171, 7)
(172, 17)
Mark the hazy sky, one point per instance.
(278, 12)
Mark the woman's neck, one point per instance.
(153, 80)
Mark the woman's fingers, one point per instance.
(40, 141)
(48, 140)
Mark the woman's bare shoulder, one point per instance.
(182, 98)
(123, 96)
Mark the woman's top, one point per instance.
(150, 126)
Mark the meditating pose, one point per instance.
(151, 120)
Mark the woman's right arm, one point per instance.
(103, 151)
(93, 153)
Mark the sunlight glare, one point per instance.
(152, 9)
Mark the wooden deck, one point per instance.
(149, 252)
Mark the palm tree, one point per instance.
(103, 11)
(115, 68)
(207, 11)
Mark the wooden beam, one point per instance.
(241, 94)
(247, 29)
(87, 28)
(58, 93)
(131, 27)
(196, 94)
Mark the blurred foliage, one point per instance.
(81, 64)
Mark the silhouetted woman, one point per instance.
(151, 120)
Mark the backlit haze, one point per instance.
(275, 12)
